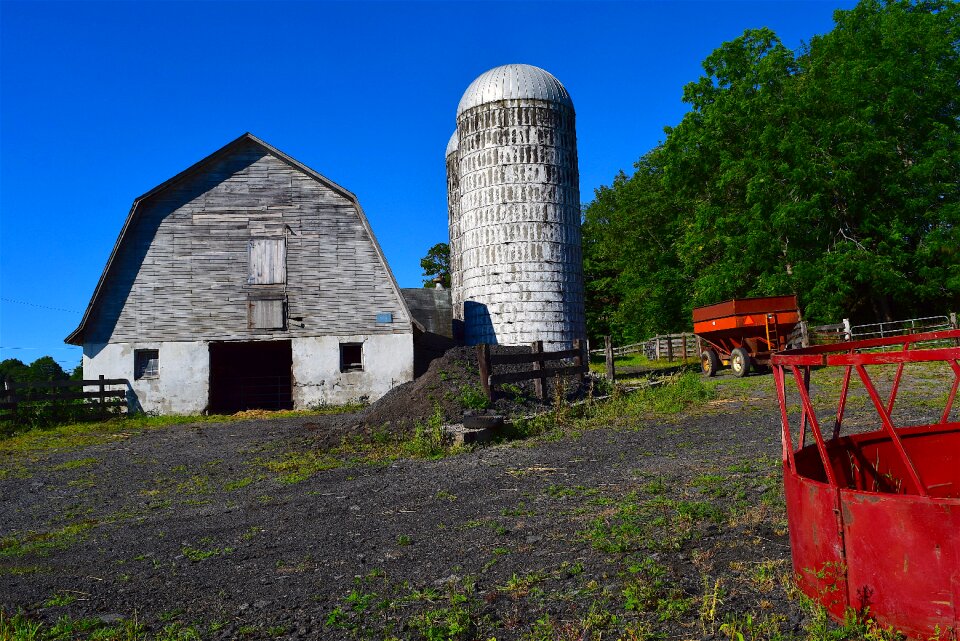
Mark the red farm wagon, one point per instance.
(742, 333)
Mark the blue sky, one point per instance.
(100, 102)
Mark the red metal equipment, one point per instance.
(874, 516)
(743, 332)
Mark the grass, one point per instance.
(78, 435)
(598, 362)
(41, 543)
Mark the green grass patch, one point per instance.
(40, 543)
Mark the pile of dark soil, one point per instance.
(451, 385)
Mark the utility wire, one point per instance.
(23, 302)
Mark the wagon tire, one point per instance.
(740, 362)
(709, 362)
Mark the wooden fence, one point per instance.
(672, 347)
(489, 379)
(17, 399)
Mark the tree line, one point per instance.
(832, 173)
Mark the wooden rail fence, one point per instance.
(100, 402)
(489, 379)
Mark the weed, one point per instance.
(77, 463)
(198, 554)
(60, 599)
(474, 398)
(403, 539)
(428, 440)
(41, 543)
(238, 484)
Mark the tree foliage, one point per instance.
(44, 369)
(436, 266)
(832, 172)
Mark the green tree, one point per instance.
(14, 369)
(832, 173)
(436, 266)
(45, 369)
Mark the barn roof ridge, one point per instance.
(76, 336)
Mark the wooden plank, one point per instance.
(483, 360)
(519, 359)
(513, 377)
(83, 383)
(69, 396)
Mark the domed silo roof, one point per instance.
(453, 144)
(511, 82)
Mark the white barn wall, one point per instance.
(317, 379)
(183, 383)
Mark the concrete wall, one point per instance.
(183, 383)
(317, 379)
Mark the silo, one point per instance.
(453, 216)
(518, 250)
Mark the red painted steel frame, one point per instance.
(875, 517)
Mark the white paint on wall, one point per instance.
(317, 379)
(182, 385)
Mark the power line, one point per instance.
(23, 302)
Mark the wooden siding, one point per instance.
(182, 271)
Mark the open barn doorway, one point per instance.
(250, 375)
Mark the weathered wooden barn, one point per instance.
(247, 281)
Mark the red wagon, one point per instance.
(743, 332)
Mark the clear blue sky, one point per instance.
(100, 102)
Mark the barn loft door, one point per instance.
(268, 261)
(250, 375)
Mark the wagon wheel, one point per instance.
(709, 362)
(740, 362)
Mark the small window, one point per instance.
(268, 261)
(146, 363)
(351, 357)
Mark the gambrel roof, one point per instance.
(77, 336)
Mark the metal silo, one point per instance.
(453, 216)
(518, 267)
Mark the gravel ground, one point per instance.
(652, 528)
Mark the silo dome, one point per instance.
(514, 82)
(452, 144)
(516, 260)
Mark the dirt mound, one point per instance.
(452, 384)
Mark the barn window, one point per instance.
(266, 313)
(268, 261)
(351, 357)
(146, 363)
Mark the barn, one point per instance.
(247, 281)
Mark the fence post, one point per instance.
(10, 396)
(103, 398)
(683, 346)
(670, 348)
(804, 334)
(579, 359)
(848, 334)
(608, 354)
(483, 361)
(657, 347)
(536, 347)
(953, 325)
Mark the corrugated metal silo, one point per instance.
(518, 265)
